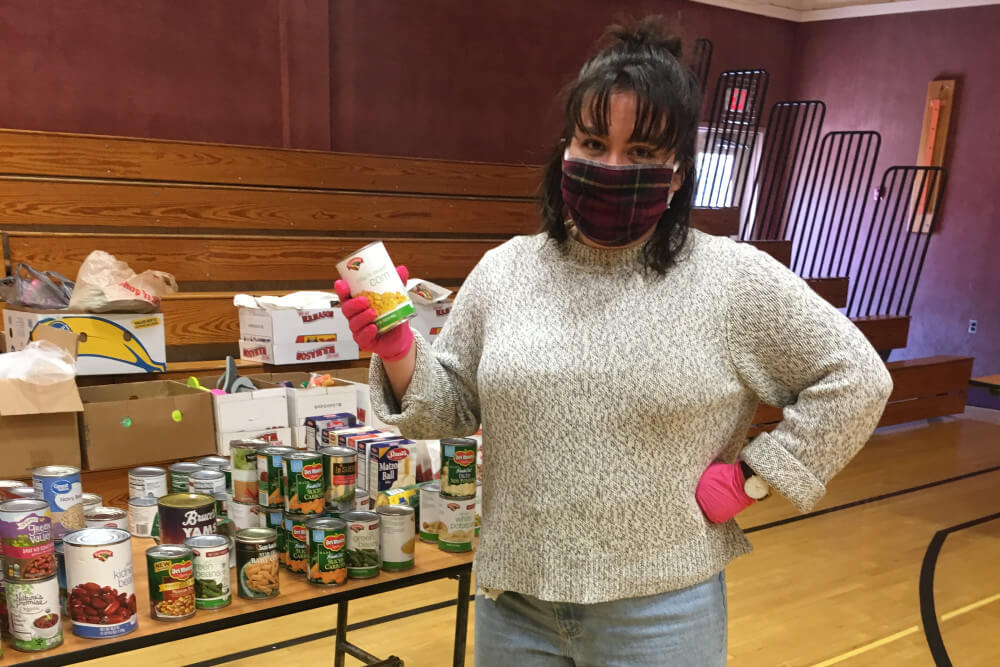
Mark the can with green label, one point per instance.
(297, 542)
(179, 476)
(327, 551)
(363, 560)
(275, 519)
(270, 489)
(458, 467)
(457, 524)
(305, 483)
(211, 571)
(170, 570)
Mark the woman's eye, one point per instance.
(643, 153)
(592, 145)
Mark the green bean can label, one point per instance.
(458, 467)
(297, 543)
(35, 615)
(305, 484)
(363, 559)
(458, 525)
(327, 552)
(211, 571)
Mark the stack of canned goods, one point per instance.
(448, 511)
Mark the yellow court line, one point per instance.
(903, 633)
(868, 647)
(969, 607)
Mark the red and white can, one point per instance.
(101, 582)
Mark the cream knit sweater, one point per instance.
(604, 392)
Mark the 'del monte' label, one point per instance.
(334, 542)
(465, 457)
(313, 471)
(181, 571)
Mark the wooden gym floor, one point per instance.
(840, 586)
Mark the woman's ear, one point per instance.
(676, 180)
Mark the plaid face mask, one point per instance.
(615, 205)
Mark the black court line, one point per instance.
(928, 614)
(865, 501)
(249, 653)
(449, 603)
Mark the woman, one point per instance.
(615, 361)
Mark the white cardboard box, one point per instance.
(364, 409)
(275, 436)
(430, 319)
(305, 402)
(251, 410)
(288, 336)
(109, 343)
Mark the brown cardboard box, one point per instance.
(38, 423)
(145, 422)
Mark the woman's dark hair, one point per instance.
(643, 59)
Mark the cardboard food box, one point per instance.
(280, 436)
(144, 422)
(289, 336)
(303, 403)
(433, 305)
(238, 416)
(109, 343)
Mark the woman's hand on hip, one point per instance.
(720, 492)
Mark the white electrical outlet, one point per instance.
(973, 326)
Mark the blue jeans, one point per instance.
(685, 628)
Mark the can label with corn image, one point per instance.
(370, 273)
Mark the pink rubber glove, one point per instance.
(720, 492)
(394, 344)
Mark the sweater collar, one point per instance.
(602, 258)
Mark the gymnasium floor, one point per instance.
(840, 586)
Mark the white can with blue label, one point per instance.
(60, 486)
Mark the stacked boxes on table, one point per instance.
(289, 336)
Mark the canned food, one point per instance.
(35, 618)
(222, 501)
(213, 462)
(90, 501)
(304, 482)
(327, 546)
(7, 484)
(369, 272)
(142, 515)
(362, 544)
(244, 515)
(147, 481)
(362, 503)
(24, 492)
(479, 506)
(340, 469)
(26, 532)
(106, 517)
(270, 489)
(100, 581)
(430, 512)
(5, 615)
(184, 515)
(458, 524)
(61, 576)
(257, 563)
(61, 487)
(225, 527)
(458, 467)
(297, 542)
(227, 470)
(398, 534)
(244, 469)
(179, 475)
(208, 482)
(170, 569)
(275, 519)
(211, 571)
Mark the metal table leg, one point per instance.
(461, 618)
(341, 637)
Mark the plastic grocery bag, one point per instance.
(105, 284)
(38, 289)
(41, 362)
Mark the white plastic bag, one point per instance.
(105, 284)
(41, 362)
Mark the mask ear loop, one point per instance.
(670, 191)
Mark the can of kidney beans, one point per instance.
(6, 485)
(211, 571)
(100, 581)
(90, 501)
(61, 487)
(35, 618)
(327, 551)
(297, 542)
(179, 475)
(142, 515)
(208, 482)
(170, 569)
(26, 531)
(257, 563)
(106, 517)
(184, 515)
(270, 489)
(147, 481)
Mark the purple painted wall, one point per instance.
(873, 74)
